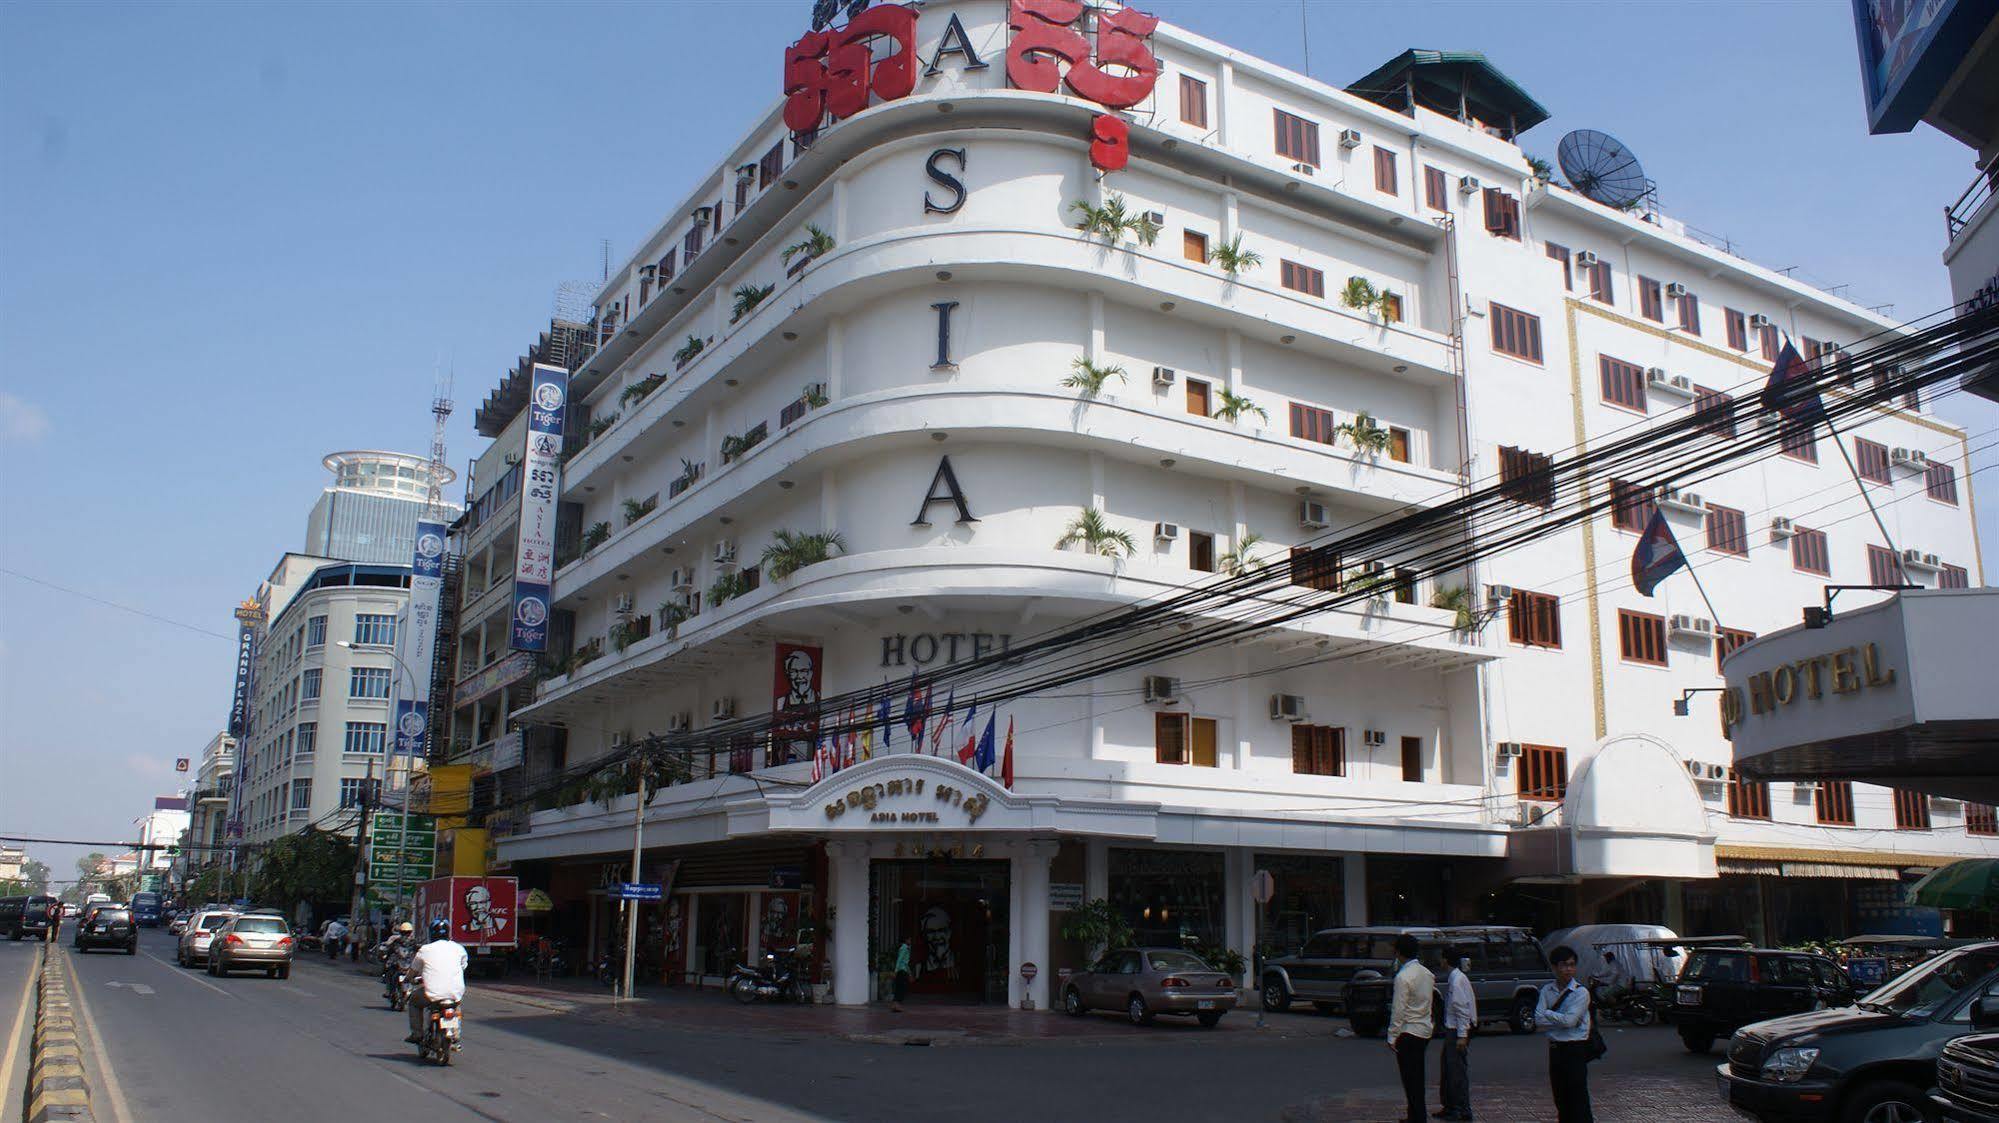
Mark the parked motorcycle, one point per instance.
(1636, 1006)
(440, 1036)
(775, 981)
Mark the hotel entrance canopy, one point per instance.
(1904, 692)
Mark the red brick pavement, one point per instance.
(1622, 1098)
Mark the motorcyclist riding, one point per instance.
(403, 942)
(440, 967)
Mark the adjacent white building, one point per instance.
(159, 830)
(901, 384)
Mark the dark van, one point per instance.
(146, 909)
(24, 916)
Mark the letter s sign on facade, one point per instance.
(951, 182)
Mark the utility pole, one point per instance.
(361, 849)
(638, 844)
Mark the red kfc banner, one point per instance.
(795, 700)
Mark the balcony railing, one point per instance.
(1959, 214)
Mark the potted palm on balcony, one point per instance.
(791, 551)
(1088, 377)
(1093, 530)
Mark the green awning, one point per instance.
(1460, 84)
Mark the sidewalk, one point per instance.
(1619, 1098)
(712, 1011)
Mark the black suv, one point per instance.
(24, 916)
(1872, 1062)
(108, 926)
(1721, 990)
(1350, 970)
(1968, 1071)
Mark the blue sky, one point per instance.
(234, 238)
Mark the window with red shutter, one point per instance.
(1712, 409)
(1385, 179)
(1297, 138)
(1315, 567)
(1436, 189)
(1800, 443)
(1727, 530)
(1940, 480)
(1651, 304)
(1767, 340)
(1502, 213)
(1310, 423)
(1641, 637)
(1872, 460)
(1738, 329)
(1544, 773)
(1527, 477)
(1193, 102)
(1516, 333)
(1301, 278)
(1623, 383)
(1631, 506)
(1912, 810)
(771, 166)
(1884, 567)
(1319, 750)
(1534, 619)
(1981, 818)
(1727, 642)
(1953, 577)
(1834, 802)
(1599, 284)
(1809, 553)
(1747, 799)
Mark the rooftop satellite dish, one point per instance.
(1599, 167)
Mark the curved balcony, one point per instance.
(826, 597)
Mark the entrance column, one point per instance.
(1353, 888)
(1238, 911)
(847, 864)
(1030, 871)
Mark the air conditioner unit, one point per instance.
(725, 551)
(1804, 791)
(680, 722)
(1657, 376)
(1718, 773)
(1156, 218)
(1166, 532)
(1287, 707)
(1303, 168)
(1373, 738)
(1349, 138)
(1468, 185)
(680, 580)
(1313, 515)
(1510, 750)
(1163, 376)
(1675, 291)
(1162, 688)
(1916, 559)
(1498, 594)
(1910, 458)
(815, 390)
(1694, 768)
(1529, 815)
(1682, 500)
(1685, 625)
(1781, 527)
(621, 604)
(1585, 259)
(723, 709)
(1759, 321)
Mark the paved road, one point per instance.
(322, 1046)
(17, 1019)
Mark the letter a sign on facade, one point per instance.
(541, 465)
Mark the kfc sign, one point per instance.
(1102, 56)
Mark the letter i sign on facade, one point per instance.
(834, 73)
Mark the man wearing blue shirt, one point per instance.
(1564, 1012)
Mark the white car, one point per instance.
(200, 930)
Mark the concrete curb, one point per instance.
(57, 1090)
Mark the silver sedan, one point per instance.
(1147, 982)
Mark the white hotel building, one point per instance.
(1530, 771)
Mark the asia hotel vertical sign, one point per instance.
(426, 592)
(534, 569)
(249, 620)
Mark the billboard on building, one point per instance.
(1909, 49)
(419, 639)
(541, 465)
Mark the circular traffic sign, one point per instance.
(1262, 886)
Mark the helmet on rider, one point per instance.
(439, 929)
(406, 928)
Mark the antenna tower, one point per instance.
(440, 411)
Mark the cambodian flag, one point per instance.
(986, 756)
(1792, 392)
(914, 709)
(1658, 555)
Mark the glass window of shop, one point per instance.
(1310, 896)
(1170, 898)
(724, 931)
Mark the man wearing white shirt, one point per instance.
(1460, 1017)
(440, 969)
(1564, 1012)
(1409, 1023)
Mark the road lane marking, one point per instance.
(182, 972)
(137, 988)
(112, 1091)
(15, 1036)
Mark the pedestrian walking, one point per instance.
(1454, 1059)
(55, 921)
(901, 983)
(1564, 1011)
(1409, 1023)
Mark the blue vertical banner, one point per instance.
(419, 639)
(541, 467)
(249, 622)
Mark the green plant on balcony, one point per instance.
(1456, 599)
(1361, 296)
(1365, 433)
(672, 615)
(1233, 259)
(1112, 221)
(688, 350)
(747, 298)
(598, 534)
(1238, 560)
(637, 391)
(1372, 585)
(815, 394)
(599, 424)
(727, 587)
(1541, 169)
(790, 551)
(622, 635)
(816, 244)
(734, 446)
(1087, 378)
(585, 655)
(636, 509)
(1093, 530)
(1231, 406)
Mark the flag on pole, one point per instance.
(941, 724)
(986, 757)
(970, 749)
(886, 723)
(1658, 555)
(1791, 392)
(850, 740)
(1006, 759)
(867, 733)
(914, 709)
(818, 758)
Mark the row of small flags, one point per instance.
(1791, 394)
(941, 734)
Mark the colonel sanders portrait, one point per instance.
(479, 912)
(935, 928)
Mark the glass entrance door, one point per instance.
(954, 914)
